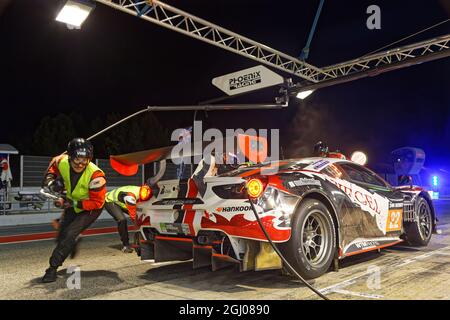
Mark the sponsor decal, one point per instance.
(97, 183)
(359, 196)
(304, 182)
(175, 202)
(246, 80)
(234, 209)
(394, 205)
(394, 221)
(172, 202)
(320, 164)
(360, 245)
(373, 203)
(367, 244)
(178, 228)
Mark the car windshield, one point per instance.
(362, 174)
(232, 170)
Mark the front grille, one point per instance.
(408, 212)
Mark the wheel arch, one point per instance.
(320, 196)
(428, 199)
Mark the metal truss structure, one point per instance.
(169, 17)
(388, 57)
(192, 26)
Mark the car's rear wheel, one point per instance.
(311, 247)
(418, 233)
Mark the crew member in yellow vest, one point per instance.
(85, 187)
(119, 202)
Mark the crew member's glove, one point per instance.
(63, 203)
(59, 203)
(46, 189)
(69, 203)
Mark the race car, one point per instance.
(316, 210)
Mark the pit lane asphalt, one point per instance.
(107, 273)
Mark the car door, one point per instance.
(378, 198)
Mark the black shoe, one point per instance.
(75, 249)
(50, 275)
(127, 249)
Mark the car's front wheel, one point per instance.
(311, 247)
(418, 233)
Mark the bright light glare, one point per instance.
(74, 13)
(434, 195)
(359, 158)
(303, 94)
(254, 188)
(435, 181)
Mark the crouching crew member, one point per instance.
(85, 185)
(119, 202)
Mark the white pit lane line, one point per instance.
(338, 287)
(424, 256)
(358, 294)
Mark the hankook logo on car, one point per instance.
(234, 209)
(245, 80)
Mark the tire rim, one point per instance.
(315, 237)
(424, 221)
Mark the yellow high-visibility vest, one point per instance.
(113, 195)
(81, 190)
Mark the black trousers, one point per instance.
(72, 225)
(122, 224)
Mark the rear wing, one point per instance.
(244, 148)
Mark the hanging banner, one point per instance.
(247, 80)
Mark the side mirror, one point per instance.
(404, 180)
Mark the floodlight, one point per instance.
(359, 157)
(75, 12)
(303, 94)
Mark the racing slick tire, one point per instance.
(312, 245)
(418, 233)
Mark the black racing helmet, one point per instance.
(320, 149)
(80, 148)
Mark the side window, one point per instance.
(332, 171)
(352, 173)
(361, 174)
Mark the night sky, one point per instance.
(120, 63)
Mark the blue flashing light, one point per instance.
(435, 181)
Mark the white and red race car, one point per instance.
(317, 210)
